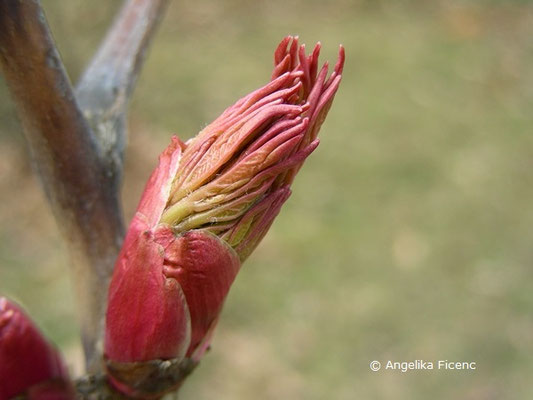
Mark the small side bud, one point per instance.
(29, 365)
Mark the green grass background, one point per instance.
(409, 232)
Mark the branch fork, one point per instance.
(77, 136)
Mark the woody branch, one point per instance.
(76, 138)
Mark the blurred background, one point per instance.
(409, 232)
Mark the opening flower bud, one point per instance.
(205, 208)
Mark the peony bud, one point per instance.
(205, 208)
(29, 365)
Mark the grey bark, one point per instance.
(77, 138)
